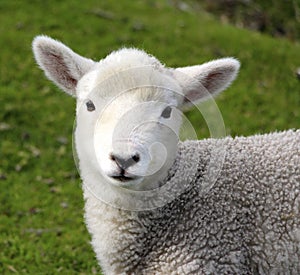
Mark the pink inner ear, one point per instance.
(209, 81)
(59, 68)
(204, 88)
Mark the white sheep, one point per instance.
(154, 205)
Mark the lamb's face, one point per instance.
(131, 128)
(127, 116)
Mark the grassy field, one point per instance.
(41, 218)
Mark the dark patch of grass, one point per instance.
(277, 18)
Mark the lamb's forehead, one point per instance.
(127, 62)
(124, 70)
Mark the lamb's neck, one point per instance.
(113, 232)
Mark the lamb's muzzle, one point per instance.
(124, 163)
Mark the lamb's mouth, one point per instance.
(123, 178)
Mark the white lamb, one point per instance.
(155, 205)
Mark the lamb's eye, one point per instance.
(90, 106)
(166, 113)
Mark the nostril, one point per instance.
(124, 163)
(112, 157)
(136, 157)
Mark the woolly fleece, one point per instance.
(247, 222)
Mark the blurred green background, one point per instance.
(41, 218)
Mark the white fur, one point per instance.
(125, 83)
(132, 92)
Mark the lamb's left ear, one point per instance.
(203, 81)
(60, 64)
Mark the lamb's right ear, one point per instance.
(60, 64)
(200, 82)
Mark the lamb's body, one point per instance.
(228, 206)
(247, 222)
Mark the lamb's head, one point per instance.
(129, 108)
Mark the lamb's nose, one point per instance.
(124, 163)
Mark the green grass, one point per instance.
(41, 217)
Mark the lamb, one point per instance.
(155, 205)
